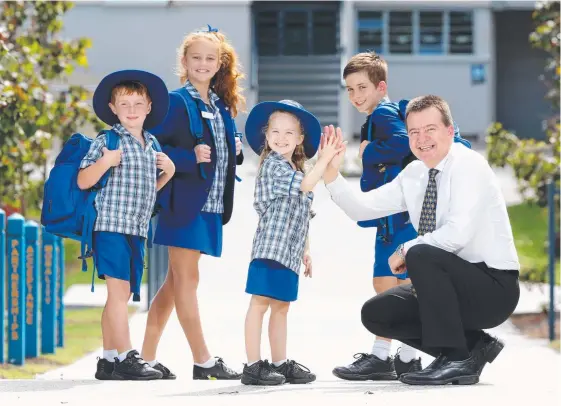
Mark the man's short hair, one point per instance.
(369, 62)
(425, 102)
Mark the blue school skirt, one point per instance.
(383, 251)
(271, 279)
(203, 234)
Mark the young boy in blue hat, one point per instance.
(285, 135)
(131, 101)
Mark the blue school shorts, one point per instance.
(384, 250)
(120, 256)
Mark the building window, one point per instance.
(430, 32)
(424, 32)
(370, 31)
(295, 33)
(267, 33)
(401, 32)
(461, 32)
(324, 32)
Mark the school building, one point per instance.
(474, 54)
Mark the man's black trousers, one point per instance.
(448, 304)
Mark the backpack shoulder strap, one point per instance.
(402, 106)
(156, 145)
(226, 115)
(195, 122)
(112, 139)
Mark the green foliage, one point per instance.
(535, 162)
(33, 58)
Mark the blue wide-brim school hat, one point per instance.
(157, 91)
(259, 116)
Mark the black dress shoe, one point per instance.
(436, 363)
(464, 372)
(367, 367)
(220, 371)
(405, 367)
(488, 347)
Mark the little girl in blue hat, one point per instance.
(285, 135)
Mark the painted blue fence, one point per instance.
(32, 285)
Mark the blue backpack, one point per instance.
(68, 211)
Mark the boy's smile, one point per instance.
(363, 94)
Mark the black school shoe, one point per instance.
(220, 371)
(166, 373)
(294, 372)
(404, 367)
(134, 368)
(367, 367)
(104, 370)
(261, 373)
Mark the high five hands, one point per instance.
(332, 146)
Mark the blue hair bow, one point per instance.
(210, 29)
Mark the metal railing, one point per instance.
(552, 191)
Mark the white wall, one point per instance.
(145, 36)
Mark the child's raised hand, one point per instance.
(202, 152)
(332, 144)
(329, 148)
(112, 157)
(307, 260)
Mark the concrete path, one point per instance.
(324, 331)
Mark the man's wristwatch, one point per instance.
(400, 251)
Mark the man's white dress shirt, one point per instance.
(471, 217)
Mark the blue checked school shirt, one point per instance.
(284, 213)
(126, 203)
(215, 202)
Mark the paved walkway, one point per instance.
(324, 331)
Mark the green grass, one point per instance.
(529, 226)
(82, 335)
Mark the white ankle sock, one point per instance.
(252, 362)
(279, 363)
(407, 353)
(123, 355)
(381, 349)
(151, 363)
(110, 355)
(209, 364)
